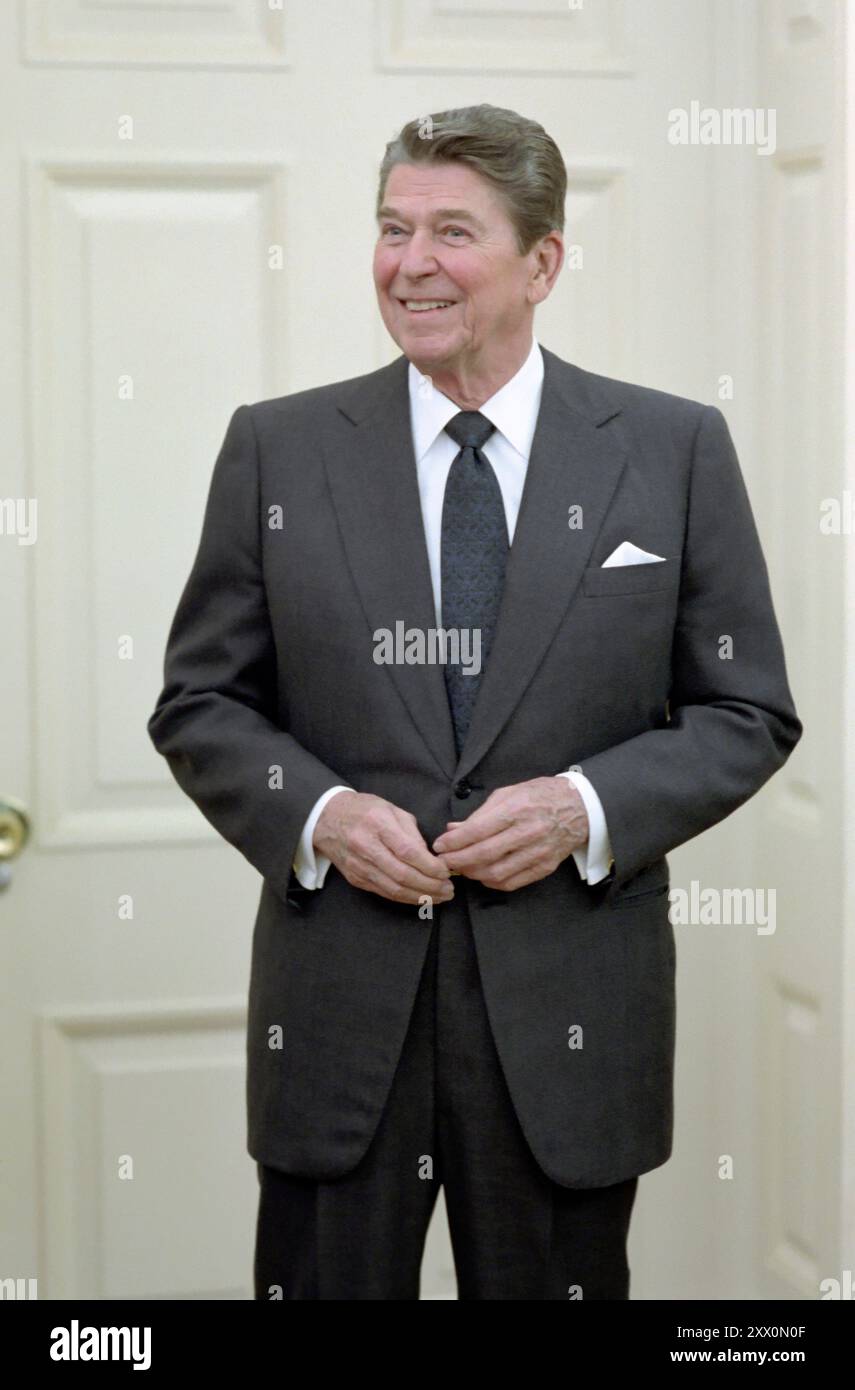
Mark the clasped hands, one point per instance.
(519, 835)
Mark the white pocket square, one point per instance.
(629, 554)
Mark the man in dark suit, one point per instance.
(448, 672)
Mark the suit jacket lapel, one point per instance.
(573, 463)
(372, 474)
(371, 468)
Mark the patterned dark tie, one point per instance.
(474, 552)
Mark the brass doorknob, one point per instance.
(14, 828)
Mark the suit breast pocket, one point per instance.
(662, 576)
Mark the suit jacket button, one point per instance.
(462, 789)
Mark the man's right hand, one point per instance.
(377, 846)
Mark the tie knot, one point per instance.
(470, 429)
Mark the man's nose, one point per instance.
(419, 257)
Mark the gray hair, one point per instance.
(513, 153)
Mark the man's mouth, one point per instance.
(427, 306)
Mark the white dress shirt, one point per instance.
(513, 410)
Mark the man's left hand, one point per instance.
(520, 834)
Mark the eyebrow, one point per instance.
(456, 214)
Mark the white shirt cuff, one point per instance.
(594, 859)
(311, 868)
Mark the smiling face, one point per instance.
(453, 289)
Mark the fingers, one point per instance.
(373, 880)
(379, 848)
(513, 871)
(403, 838)
(494, 817)
(492, 851)
(388, 856)
(382, 864)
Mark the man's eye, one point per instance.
(461, 230)
(387, 230)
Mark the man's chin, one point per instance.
(425, 351)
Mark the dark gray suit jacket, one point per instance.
(270, 664)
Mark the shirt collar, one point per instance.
(513, 409)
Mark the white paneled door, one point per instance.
(186, 225)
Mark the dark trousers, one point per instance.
(449, 1121)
